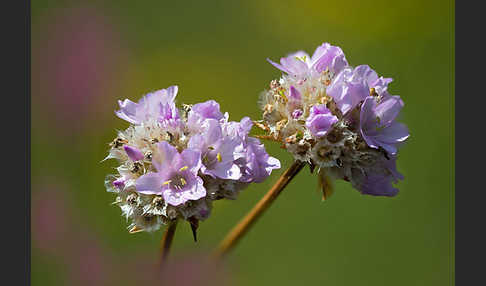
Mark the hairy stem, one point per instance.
(244, 225)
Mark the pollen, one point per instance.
(183, 168)
(218, 156)
(166, 182)
(303, 58)
(373, 92)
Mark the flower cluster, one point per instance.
(338, 118)
(175, 162)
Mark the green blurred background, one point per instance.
(88, 54)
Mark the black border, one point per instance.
(15, 136)
(470, 190)
(28, 132)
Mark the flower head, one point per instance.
(338, 118)
(175, 162)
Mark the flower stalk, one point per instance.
(166, 241)
(244, 225)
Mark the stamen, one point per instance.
(205, 160)
(373, 92)
(183, 181)
(379, 128)
(378, 121)
(301, 59)
(167, 182)
(183, 168)
(218, 156)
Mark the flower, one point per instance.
(377, 180)
(202, 111)
(254, 162)
(218, 151)
(378, 126)
(176, 180)
(299, 64)
(337, 118)
(207, 110)
(257, 165)
(352, 86)
(347, 89)
(175, 162)
(320, 120)
(158, 105)
(133, 153)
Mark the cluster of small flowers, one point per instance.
(337, 118)
(174, 163)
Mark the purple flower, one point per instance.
(299, 64)
(378, 180)
(297, 113)
(294, 64)
(348, 89)
(217, 151)
(207, 110)
(176, 180)
(169, 116)
(119, 183)
(238, 129)
(202, 111)
(328, 56)
(380, 84)
(158, 105)
(378, 126)
(320, 120)
(294, 94)
(133, 153)
(254, 162)
(257, 165)
(294, 99)
(351, 86)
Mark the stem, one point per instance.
(166, 241)
(244, 225)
